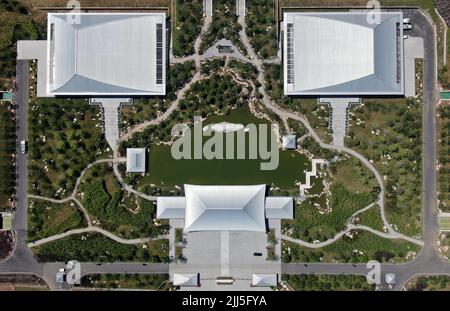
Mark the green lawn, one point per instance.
(364, 246)
(98, 248)
(444, 223)
(47, 219)
(371, 218)
(327, 282)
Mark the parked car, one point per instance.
(257, 254)
(23, 146)
(406, 20)
(407, 26)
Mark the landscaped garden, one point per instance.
(17, 23)
(144, 109)
(188, 23)
(429, 283)
(388, 133)
(356, 246)
(327, 282)
(317, 115)
(313, 222)
(46, 219)
(7, 150)
(261, 27)
(65, 135)
(443, 153)
(128, 281)
(224, 25)
(96, 247)
(115, 210)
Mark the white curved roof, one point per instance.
(104, 53)
(221, 208)
(341, 53)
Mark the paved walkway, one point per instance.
(90, 229)
(111, 108)
(36, 50)
(413, 47)
(339, 113)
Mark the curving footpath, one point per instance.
(90, 229)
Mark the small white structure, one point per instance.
(264, 279)
(289, 142)
(390, 278)
(186, 279)
(136, 160)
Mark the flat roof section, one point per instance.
(106, 53)
(341, 53)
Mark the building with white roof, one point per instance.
(289, 142)
(343, 53)
(225, 208)
(136, 160)
(264, 279)
(106, 54)
(186, 279)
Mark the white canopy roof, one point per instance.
(265, 279)
(343, 53)
(225, 208)
(106, 53)
(186, 279)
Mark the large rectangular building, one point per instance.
(98, 54)
(343, 53)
